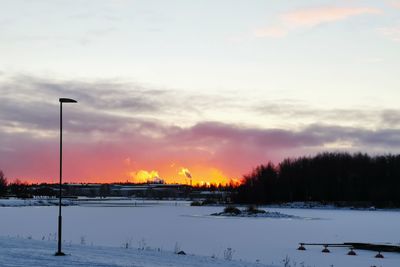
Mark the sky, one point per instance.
(193, 90)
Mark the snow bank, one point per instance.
(27, 252)
(18, 202)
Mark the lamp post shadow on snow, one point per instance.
(59, 251)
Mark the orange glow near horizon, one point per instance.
(208, 178)
(205, 176)
(143, 176)
(196, 176)
(84, 167)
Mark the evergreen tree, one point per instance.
(3, 184)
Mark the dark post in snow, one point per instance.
(59, 252)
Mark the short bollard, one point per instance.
(301, 247)
(325, 250)
(379, 255)
(352, 252)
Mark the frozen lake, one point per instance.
(165, 224)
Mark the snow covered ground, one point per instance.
(165, 225)
(17, 202)
(23, 252)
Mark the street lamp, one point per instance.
(59, 252)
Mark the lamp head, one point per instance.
(67, 100)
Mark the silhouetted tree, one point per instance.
(3, 184)
(104, 190)
(257, 185)
(20, 189)
(44, 190)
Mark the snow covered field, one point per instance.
(17, 202)
(23, 252)
(167, 225)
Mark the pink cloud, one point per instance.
(311, 17)
(314, 16)
(395, 4)
(274, 32)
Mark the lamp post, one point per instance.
(59, 252)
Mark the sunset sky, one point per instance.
(215, 87)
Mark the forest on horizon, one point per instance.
(326, 177)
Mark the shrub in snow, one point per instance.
(142, 244)
(53, 236)
(286, 261)
(128, 243)
(209, 202)
(253, 210)
(228, 254)
(196, 203)
(177, 248)
(232, 210)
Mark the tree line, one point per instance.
(326, 177)
(16, 188)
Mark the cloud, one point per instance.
(390, 117)
(311, 17)
(294, 111)
(95, 34)
(115, 121)
(31, 104)
(314, 16)
(392, 33)
(273, 32)
(316, 135)
(395, 4)
(232, 148)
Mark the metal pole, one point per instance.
(59, 252)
